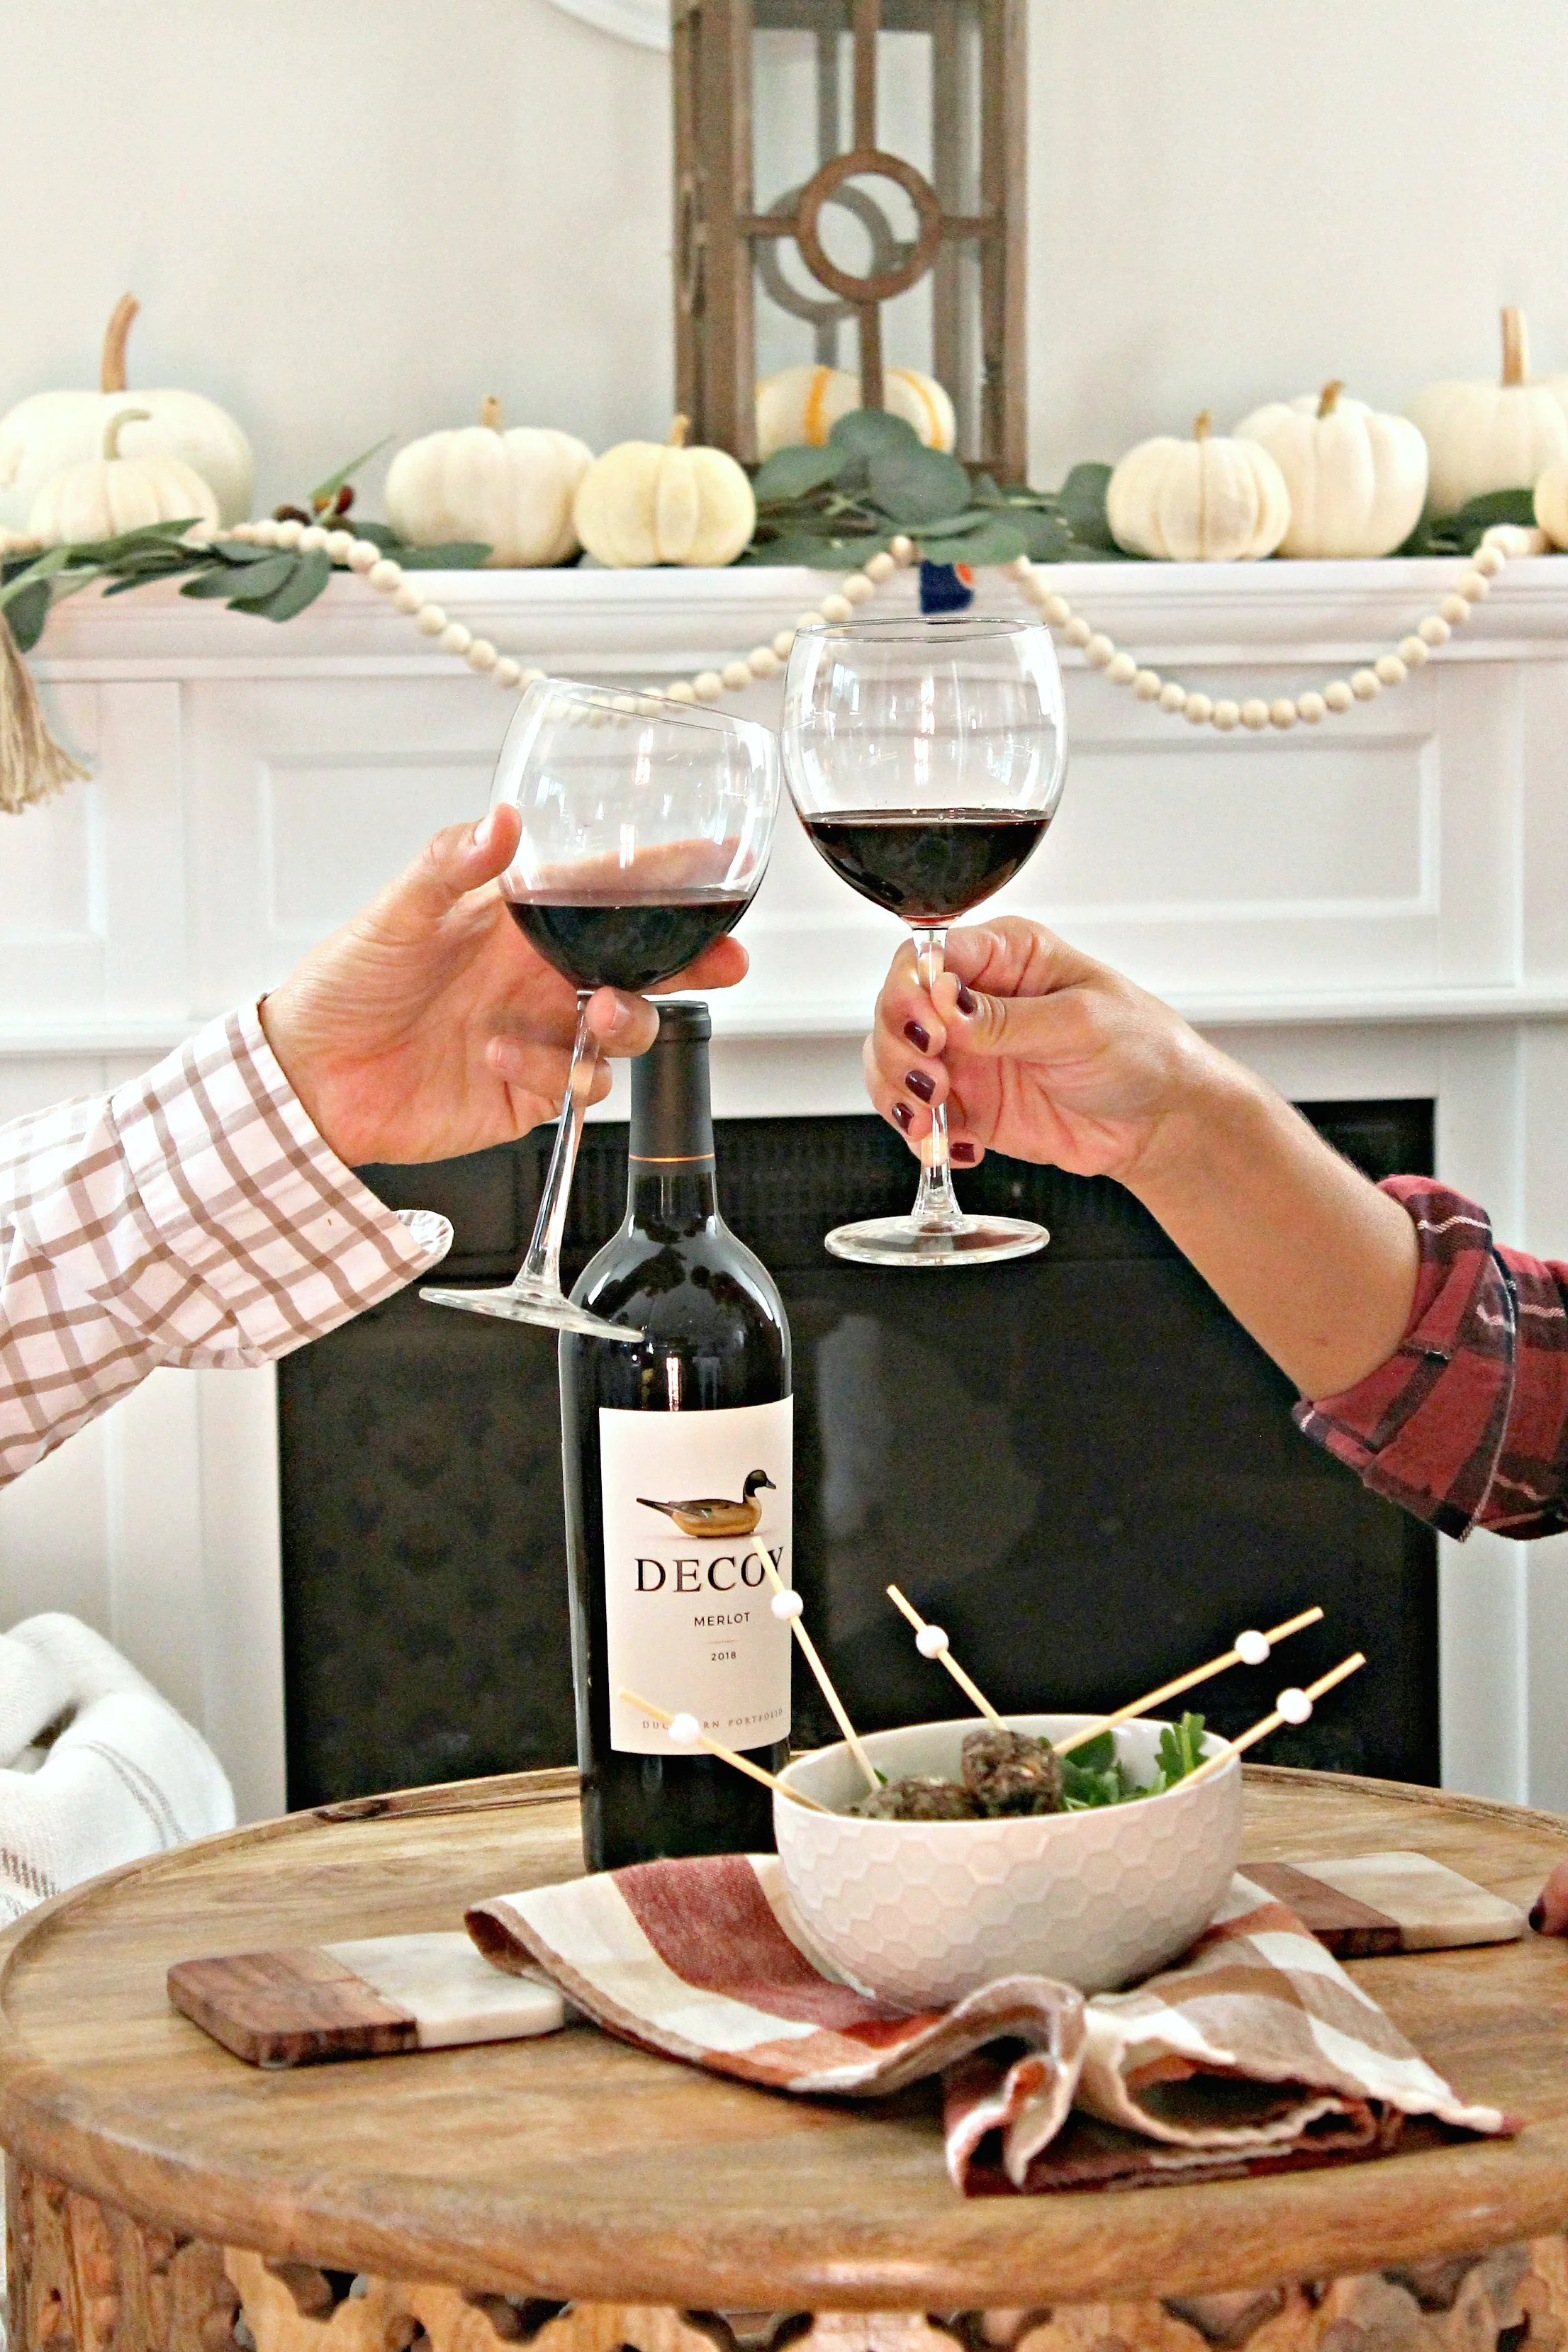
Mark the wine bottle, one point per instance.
(677, 1458)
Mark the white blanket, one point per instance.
(95, 1768)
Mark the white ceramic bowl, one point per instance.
(923, 1912)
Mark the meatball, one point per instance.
(1008, 1772)
(919, 1797)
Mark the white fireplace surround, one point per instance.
(1378, 906)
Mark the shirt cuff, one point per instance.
(244, 1192)
(1426, 1427)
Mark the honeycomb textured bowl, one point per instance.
(924, 1911)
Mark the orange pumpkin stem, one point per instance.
(679, 430)
(111, 367)
(1203, 425)
(490, 412)
(1515, 348)
(1328, 399)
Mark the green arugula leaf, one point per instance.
(1181, 1749)
(795, 473)
(1095, 1755)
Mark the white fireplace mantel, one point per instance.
(1378, 906)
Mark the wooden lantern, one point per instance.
(967, 65)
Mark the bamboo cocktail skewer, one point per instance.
(698, 1738)
(1294, 1706)
(932, 1643)
(787, 1604)
(1246, 1653)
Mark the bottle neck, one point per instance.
(671, 1180)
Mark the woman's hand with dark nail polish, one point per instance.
(904, 1114)
(968, 1003)
(918, 1083)
(919, 1038)
(1548, 1916)
(962, 1154)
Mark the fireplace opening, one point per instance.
(1078, 1464)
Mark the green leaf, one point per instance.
(993, 542)
(26, 610)
(334, 482)
(917, 487)
(795, 473)
(1095, 1755)
(150, 536)
(868, 432)
(308, 575)
(1045, 537)
(255, 585)
(239, 551)
(1081, 499)
(380, 534)
(1181, 1749)
(456, 555)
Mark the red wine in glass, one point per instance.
(645, 829)
(630, 943)
(929, 865)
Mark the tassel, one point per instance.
(33, 767)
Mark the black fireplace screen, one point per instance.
(1078, 1464)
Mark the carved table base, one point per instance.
(87, 2278)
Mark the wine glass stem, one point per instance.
(936, 1208)
(543, 1263)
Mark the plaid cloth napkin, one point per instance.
(1257, 2052)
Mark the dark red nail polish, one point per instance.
(963, 1154)
(918, 1083)
(903, 1113)
(918, 1037)
(968, 1002)
(1537, 1917)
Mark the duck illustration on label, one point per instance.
(695, 1513)
(711, 1515)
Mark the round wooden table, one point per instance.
(578, 2193)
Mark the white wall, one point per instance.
(354, 218)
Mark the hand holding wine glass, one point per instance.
(426, 1026)
(926, 759)
(645, 830)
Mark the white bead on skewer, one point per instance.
(930, 1641)
(1258, 1647)
(783, 1599)
(1293, 1707)
(687, 1732)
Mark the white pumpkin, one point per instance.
(1552, 503)
(1491, 436)
(659, 502)
(1357, 477)
(54, 430)
(1206, 501)
(110, 493)
(801, 405)
(513, 489)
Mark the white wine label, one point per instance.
(693, 1501)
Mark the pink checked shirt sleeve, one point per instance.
(1467, 1423)
(193, 1217)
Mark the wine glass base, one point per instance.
(532, 1303)
(974, 1241)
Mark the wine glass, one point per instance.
(646, 830)
(926, 759)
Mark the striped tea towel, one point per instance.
(1257, 2050)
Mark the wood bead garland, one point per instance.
(388, 578)
(1388, 670)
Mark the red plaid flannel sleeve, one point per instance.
(1467, 1423)
(193, 1217)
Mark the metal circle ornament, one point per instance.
(869, 163)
